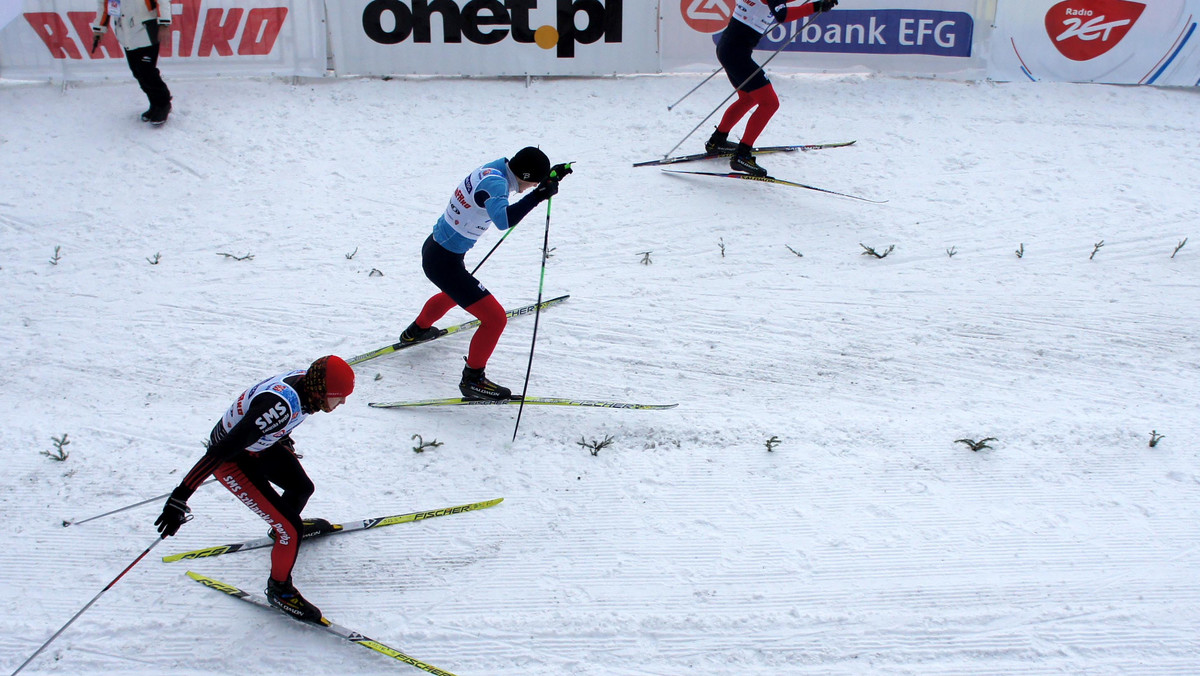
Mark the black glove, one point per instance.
(559, 170)
(175, 513)
(823, 5)
(545, 190)
(779, 9)
(97, 33)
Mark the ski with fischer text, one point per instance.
(379, 522)
(529, 401)
(770, 179)
(729, 153)
(331, 627)
(388, 349)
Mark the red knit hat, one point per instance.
(329, 376)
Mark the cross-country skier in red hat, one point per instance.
(251, 448)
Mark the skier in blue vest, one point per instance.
(480, 201)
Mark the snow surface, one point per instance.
(866, 541)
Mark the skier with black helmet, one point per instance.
(251, 448)
(480, 201)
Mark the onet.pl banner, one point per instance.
(1111, 41)
(490, 37)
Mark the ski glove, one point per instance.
(823, 5)
(175, 513)
(778, 9)
(545, 190)
(559, 170)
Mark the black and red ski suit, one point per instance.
(250, 449)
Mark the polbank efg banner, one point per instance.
(53, 39)
(1112, 41)
(906, 36)
(493, 37)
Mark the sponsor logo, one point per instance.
(441, 512)
(1083, 30)
(487, 22)
(273, 415)
(222, 32)
(231, 483)
(706, 16)
(458, 195)
(878, 31)
(279, 387)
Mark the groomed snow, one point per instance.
(866, 541)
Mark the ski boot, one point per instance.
(416, 334)
(283, 595)
(719, 144)
(157, 115)
(476, 386)
(743, 160)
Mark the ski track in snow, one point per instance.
(866, 541)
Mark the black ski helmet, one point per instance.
(530, 165)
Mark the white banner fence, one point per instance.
(1113, 41)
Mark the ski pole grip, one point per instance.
(566, 166)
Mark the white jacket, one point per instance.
(130, 24)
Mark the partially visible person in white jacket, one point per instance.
(137, 24)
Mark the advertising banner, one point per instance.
(926, 37)
(1112, 41)
(490, 37)
(52, 39)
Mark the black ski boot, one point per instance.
(416, 334)
(312, 528)
(283, 595)
(719, 144)
(157, 115)
(743, 160)
(475, 385)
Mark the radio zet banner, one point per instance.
(53, 39)
(491, 37)
(921, 35)
(1111, 41)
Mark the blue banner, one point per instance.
(881, 31)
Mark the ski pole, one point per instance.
(89, 605)
(489, 254)
(744, 83)
(537, 313)
(122, 509)
(693, 89)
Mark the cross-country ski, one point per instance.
(457, 328)
(725, 154)
(336, 528)
(324, 623)
(529, 401)
(771, 179)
